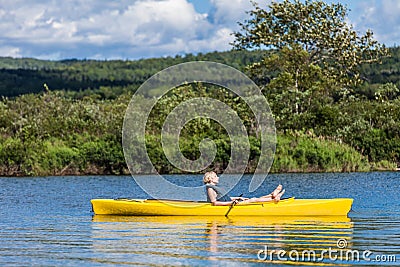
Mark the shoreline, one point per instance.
(247, 173)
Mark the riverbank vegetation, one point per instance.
(52, 134)
(334, 112)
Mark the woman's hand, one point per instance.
(239, 199)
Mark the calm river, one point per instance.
(47, 221)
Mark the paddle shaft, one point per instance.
(232, 205)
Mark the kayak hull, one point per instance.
(287, 207)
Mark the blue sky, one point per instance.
(134, 29)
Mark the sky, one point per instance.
(135, 29)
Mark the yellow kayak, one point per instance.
(286, 207)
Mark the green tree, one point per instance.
(307, 44)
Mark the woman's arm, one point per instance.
(222, 203)
(213, 197)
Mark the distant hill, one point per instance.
(388, 71)
(27, 75)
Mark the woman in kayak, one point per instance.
(218, 197)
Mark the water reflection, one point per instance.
(216, 240)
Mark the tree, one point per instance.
(308, 44)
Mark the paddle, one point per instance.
(232, 205)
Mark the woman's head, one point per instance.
(210, 177)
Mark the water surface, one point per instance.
(47, 221)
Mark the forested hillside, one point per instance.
(108, 79)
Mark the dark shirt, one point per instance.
(221, 193)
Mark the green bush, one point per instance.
(301, 153)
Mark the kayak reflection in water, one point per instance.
(218, 197)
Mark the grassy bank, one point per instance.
(301, 153)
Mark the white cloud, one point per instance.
(9, 51)
(227, 11)
(159, 22)
(382, 17)
(70, 28)
(145, 28)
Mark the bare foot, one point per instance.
(278, 196)
(276, 192)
